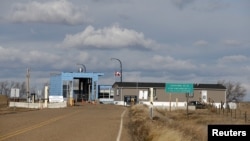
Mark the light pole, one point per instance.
(82, 66)
(81, 85)
(120, 66)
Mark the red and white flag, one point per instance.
(117, 73)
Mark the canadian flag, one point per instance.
(117, 73)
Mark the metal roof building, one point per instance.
(206, 93)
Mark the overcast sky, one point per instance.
(184, 41)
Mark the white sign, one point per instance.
(204, 96)
(232, 105)
(140, 94)
(55, 98)
(14, 92)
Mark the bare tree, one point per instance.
(234, 92)
(13, 84)
(23, 89)
(5, 87)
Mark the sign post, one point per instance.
(151, 92)
(183, 88)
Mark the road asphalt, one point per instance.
(88, 122)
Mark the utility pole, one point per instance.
(28, 83)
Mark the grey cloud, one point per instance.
(200, 43)
(108, 37)
(233, 59)
(182, 3)
(231, 42)
(209, 6)
(62, 12)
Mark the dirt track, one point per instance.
(79, 123)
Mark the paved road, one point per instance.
(79, 123)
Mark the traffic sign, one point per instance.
(179, 88)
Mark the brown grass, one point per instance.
(175, 125)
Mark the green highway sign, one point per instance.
(179, 88)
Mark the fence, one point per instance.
(234, 113)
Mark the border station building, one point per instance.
(76, 86)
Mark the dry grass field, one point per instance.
(178, 125)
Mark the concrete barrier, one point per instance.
(58, 105)
(24, 105)
(106, 100)
(38, 105)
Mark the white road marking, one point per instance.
(121, 124)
